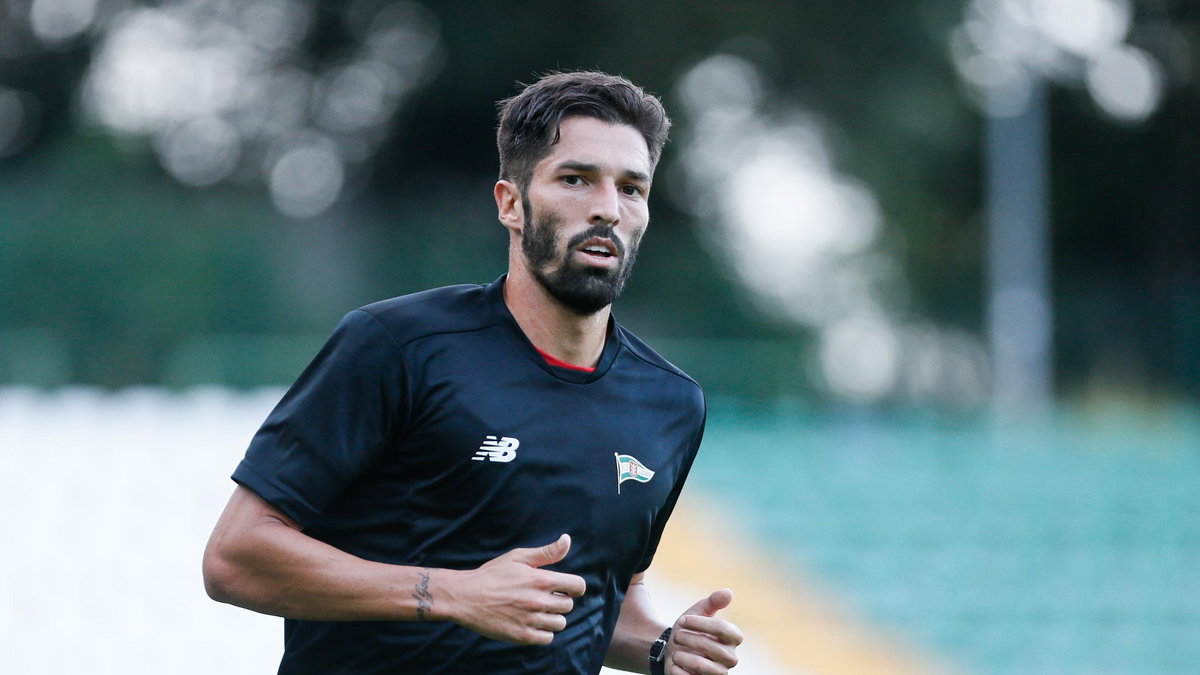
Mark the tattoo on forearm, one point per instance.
(422, 595)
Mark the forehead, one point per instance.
(619, 148)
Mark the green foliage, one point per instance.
(115, 274)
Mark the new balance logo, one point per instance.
(503, 449)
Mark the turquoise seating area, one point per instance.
(1065, 546)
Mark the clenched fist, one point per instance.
(511, 598)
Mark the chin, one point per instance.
(583, 291)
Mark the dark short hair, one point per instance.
(529, 121)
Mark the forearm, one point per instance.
(635, 632)
(282, 571)
(260, 559)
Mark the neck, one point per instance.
(552, 328)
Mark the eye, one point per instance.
(632, 190)
(572, 180)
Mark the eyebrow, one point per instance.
(584, 167)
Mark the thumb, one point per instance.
(544, 555)
(715, 602)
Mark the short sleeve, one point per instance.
(337, 418)
(664, 514)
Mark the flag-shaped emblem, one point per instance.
(628, 468)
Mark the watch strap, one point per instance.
(658, 653)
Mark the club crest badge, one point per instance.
(629, 468)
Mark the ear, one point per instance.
(510, 210)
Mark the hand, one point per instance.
(701, 643)
(509, 598)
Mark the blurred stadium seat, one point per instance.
(1065, 547)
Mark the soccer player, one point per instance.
(474, 479)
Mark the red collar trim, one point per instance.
(563, 364)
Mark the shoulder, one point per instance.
(651, 359)
(450, 309)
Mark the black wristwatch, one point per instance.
(658, 654)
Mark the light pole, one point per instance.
(1020, 318)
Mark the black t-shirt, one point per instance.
(429, 431)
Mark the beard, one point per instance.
(582, 289)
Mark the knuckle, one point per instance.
(687, 663)
(532, 636)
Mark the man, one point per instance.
(474, 479)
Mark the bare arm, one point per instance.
(700, 641)
(636, 630)
(260, 559)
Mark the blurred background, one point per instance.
(936, 264)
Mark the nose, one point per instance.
(605, 206)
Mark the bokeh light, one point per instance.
(306, 180)
(1126, 82)
(860, 357)
(200, 151)
(1002, 45)
(221, 91)
(806, 241)
(54, 21)
(1083, 27)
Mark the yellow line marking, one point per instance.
(800, 627)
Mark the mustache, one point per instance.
(597, 231)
